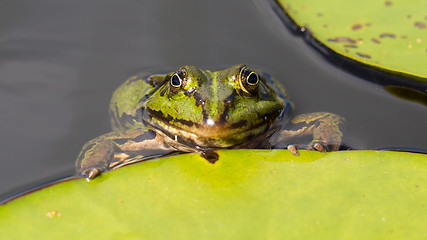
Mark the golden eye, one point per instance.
(248, 80)
(177, 79)
(252, 79)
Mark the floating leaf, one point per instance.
(389, 35)
(246, 194)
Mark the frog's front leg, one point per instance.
(325, 129)
(116, 149)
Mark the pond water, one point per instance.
(61, 60)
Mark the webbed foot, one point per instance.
(325, 129)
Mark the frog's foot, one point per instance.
(90, 173)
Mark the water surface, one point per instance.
(61, 60)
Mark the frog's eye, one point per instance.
(248, 80)
(252, 79)
(178, 78)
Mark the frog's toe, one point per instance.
(93, 172)
(293, 149)
(320, 146)
(90, 173)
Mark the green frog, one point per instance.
(195, 110)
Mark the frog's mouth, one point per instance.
(209, 134)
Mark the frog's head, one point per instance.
(214, 109)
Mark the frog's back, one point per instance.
(127, 100)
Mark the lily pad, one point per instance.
(389, 35)
(246, 194)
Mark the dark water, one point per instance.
(61, 60)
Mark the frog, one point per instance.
(197, 110)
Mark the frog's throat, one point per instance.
(211, 137)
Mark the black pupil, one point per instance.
(175, 80)
(252, 79)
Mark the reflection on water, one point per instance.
(61, 60)
(408, 94)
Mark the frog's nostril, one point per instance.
(200, 102)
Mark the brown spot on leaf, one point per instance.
(342, 39)
(356, 27)
(375, 40)
(320, 14)
(390, 35)
(350, 46)
(409, 16)
(388, 3)
(364, 55)
(325, 25)
(420, 25)
(404, 37)
(368, 24)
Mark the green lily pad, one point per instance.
(246, 194)
(389, 35)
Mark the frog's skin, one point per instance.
(195, 110)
